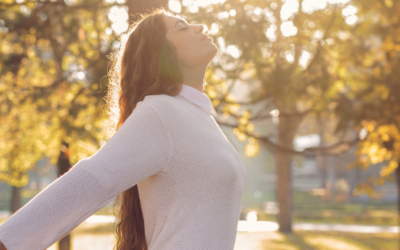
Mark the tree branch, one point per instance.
(310, 152)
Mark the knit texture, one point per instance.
(189, 176)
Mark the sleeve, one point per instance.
(141, 148)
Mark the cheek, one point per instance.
(185, 45)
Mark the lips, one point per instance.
(204, 37)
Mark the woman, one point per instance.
(180, 179)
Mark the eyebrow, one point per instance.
(179, 21)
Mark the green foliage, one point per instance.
(257, 50)
(52, 64)
(372, 97)
(350, 81)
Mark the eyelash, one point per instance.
(184, 28)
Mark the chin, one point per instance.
(216, 49)
(210, 57)
(213, 50)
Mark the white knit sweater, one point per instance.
(190, 180)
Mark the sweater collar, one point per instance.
(198, 98)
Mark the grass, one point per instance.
(298, 240)
(388, 219)
(100, 237)
(314, 209)
(306, 240)
(325, 213)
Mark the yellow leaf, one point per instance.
(246, 114)
(251, 149)
(243, 120)
(211, 93)
(379, 181)
(215, 102)
(250, 127)
(389, 3)
(368, 60)
(342, 71)
(252, 140)
(377, 71)
(230, 97)
(234, 108)
(241, 137)
(393, 164)
(386, 171)
(225, 115)
(370, 127)
(385, 137)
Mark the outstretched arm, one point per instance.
(140, 148)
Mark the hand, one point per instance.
(2, 247)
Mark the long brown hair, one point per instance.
(144, 64)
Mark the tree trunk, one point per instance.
(398, 194)
(322, 170)
(286, 130)
(37, 170)
(320, 158)
(15, 202)
(63, 165)
(331, 177)
(65, 243)
(38, 181)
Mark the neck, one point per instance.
(194, 77)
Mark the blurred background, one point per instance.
(307, 91)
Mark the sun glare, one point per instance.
(118, 15)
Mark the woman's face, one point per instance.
(193, 46)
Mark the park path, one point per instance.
(269, 226)
(244, 241)
(251, 235)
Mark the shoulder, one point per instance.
(167, 107)
(161, 98)
(161, 103)
(158, 98)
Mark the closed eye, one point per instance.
(184, 28)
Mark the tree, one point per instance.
(54, 58)
(290, 61)
(371, 101)
(50, 93)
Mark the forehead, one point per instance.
(171, 21)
